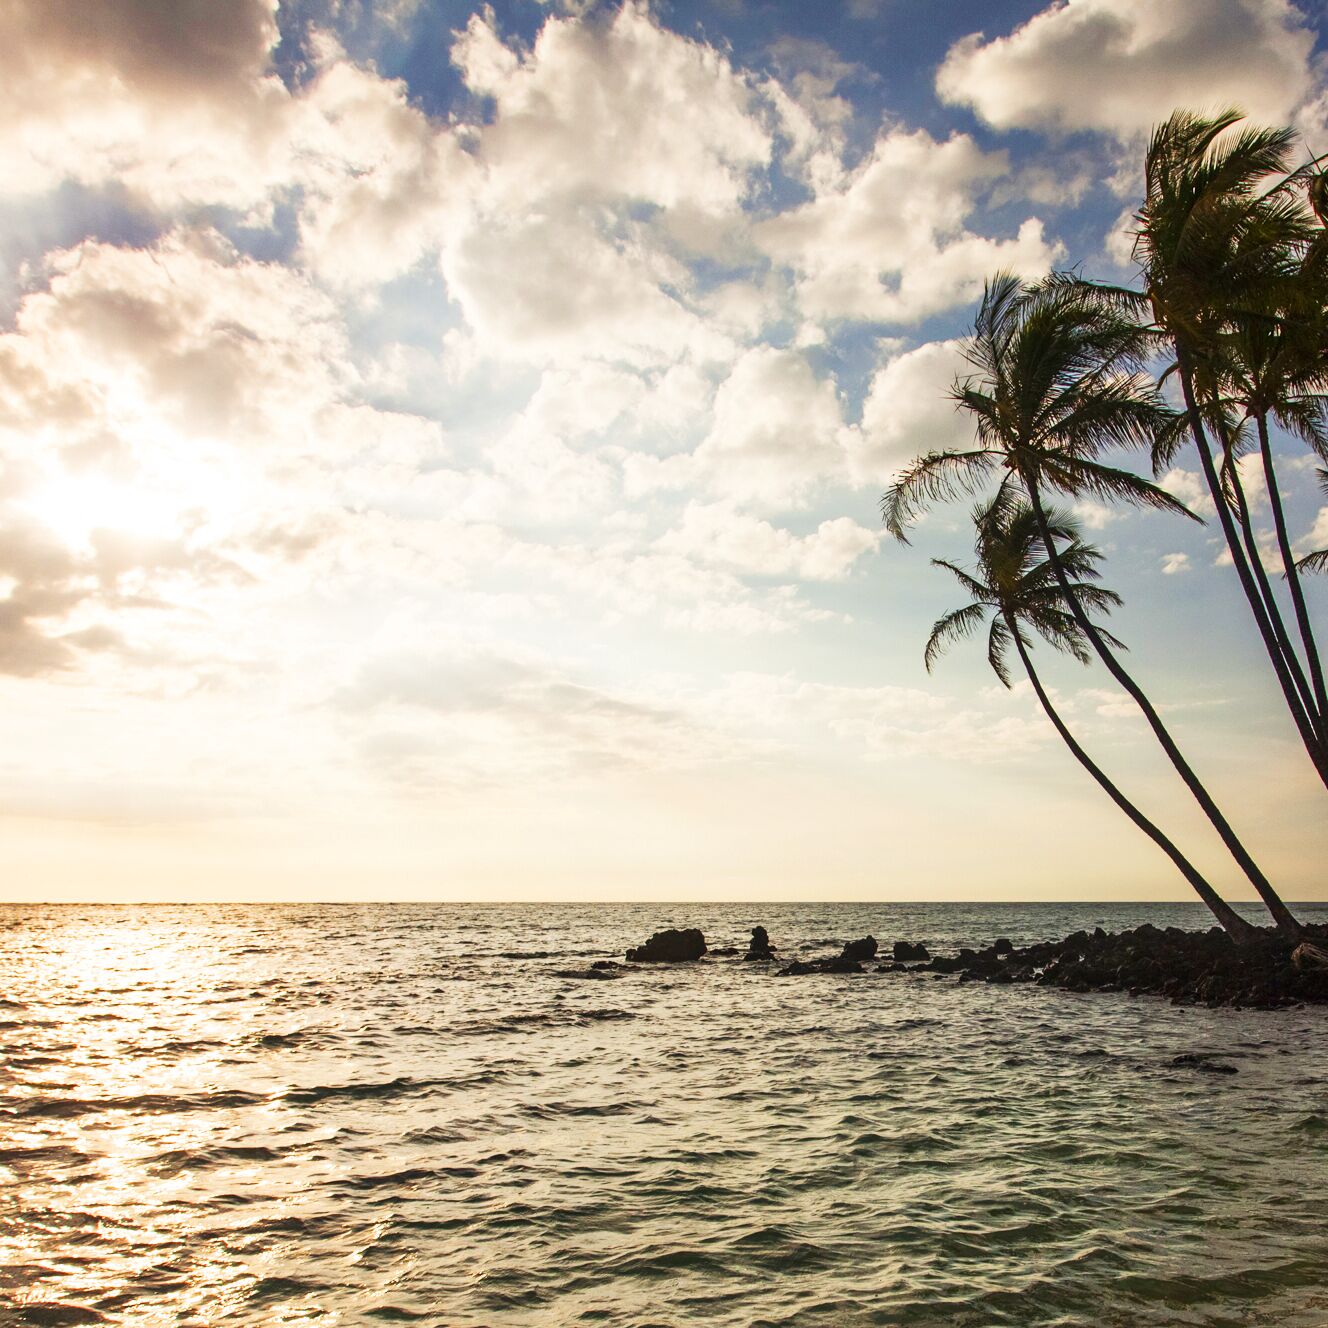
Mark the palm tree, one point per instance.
(1219, 241)
(1271, 365)
(1059, 381)
(1016, 586)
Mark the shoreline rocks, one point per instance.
(1187, 967)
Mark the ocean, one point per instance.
(401, 1113)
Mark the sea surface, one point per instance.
(401, 1113)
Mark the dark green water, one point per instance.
(359, 1114)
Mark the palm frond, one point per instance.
(937, 476)
(950, 628)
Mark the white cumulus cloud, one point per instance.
(1123, 65)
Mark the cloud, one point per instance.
(620, 107)
(1175, 563)
(176, 423)
(719, 535)
(1121, 66)
(885, 723)
(775, 434)
(908, 411)
(1189, 486)
(172, 102)
(476, 715)
(1094, 515)
(869, 247)
(380, 181)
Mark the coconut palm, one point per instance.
(1272, 367)
(1219, 241)
(1014, 588)
(1059, 381)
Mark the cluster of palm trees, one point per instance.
(1231, 245)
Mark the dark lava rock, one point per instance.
(860, 949)
(907, 952)
(606, 963)
(802, 967)
(1187, 967)
(759, 946)
(669, 947)
(592, 974)
(724, 951)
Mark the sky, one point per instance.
(441, 447)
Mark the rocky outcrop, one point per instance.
(1188, 967)
(759, 949)
(905, 952)
(860, 950)
(670, 947)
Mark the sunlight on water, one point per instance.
(346, 1114)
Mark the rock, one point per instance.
(606, 964)
(759, 948)
(586, 974)
(906, 952)
(801, 968)
(669, 947)
(856, 951)
(1003, 947)
(723, 951)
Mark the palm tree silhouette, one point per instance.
(1060, 381)
(1219, 241)
(1015, 586)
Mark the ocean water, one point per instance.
(345, 1114)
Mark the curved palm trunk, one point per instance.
(1308, 736)
(1282, 915)
(1312, 658)
(1231, 921)
(1309, 714)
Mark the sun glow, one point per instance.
(173, 499)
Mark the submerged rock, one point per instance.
(670, 947)
(1203, 1060)
(592, 974)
